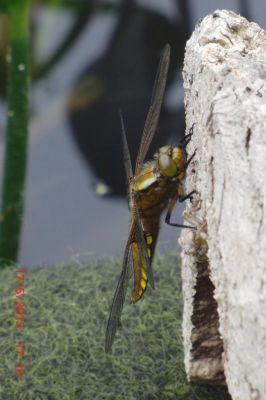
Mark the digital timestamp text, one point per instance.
(20, 324)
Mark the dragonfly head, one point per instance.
(171, 161)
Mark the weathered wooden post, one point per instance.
(224, 260)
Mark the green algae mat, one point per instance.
(66, 309)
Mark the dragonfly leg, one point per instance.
(186, 139)
(170, 208)
(187, 196)
(190, 159)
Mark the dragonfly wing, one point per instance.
(114, 320)
(135, 253)
(155, 107)
(136, 223)
(126, 154)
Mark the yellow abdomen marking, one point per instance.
(143, 283)
(149, 239)
(143, 273)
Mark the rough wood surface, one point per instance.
(224, 260)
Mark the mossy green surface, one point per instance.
(66, 312)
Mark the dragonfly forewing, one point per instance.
(155, 108)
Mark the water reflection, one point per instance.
(121, 77)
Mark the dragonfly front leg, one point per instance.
(171, 204)
(187, 196)
(186, 139)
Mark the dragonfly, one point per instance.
(153, 186)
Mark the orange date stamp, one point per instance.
(20, 324)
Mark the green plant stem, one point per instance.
(16, 133)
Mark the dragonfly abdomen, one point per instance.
(150, 228)
(140, 274)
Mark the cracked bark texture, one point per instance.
(224, 260)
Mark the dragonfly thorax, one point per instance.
(171, 161)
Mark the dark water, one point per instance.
(64, 218)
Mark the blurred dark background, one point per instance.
(90, 59)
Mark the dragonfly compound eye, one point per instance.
(167, 166)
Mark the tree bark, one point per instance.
(224, 259)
